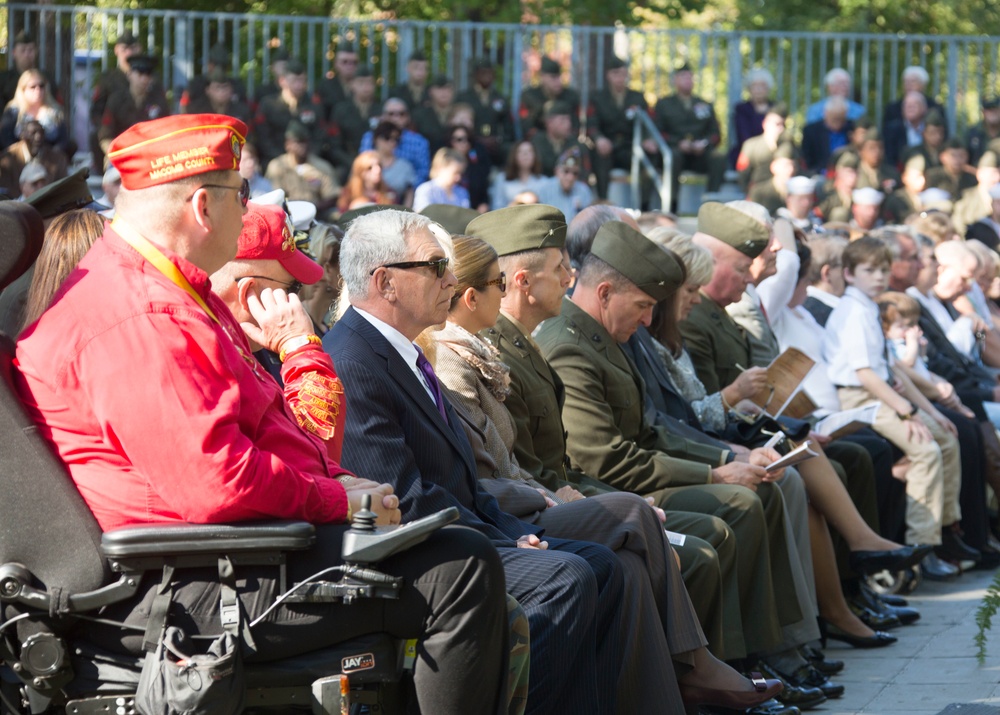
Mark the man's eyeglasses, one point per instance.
(292, 287)
(440, 266)
(500, 282)
(243, 190)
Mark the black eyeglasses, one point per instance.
(440, 266)
(293, 287)
(243, 190)
(500, 282)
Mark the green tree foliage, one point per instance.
(938, 17)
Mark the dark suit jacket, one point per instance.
(664, 405)
(944, 359)
(984, 233)
(397, 436)
(820, 310)
(816, 145)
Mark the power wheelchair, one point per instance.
(58, 570)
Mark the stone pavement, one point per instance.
(933, 666)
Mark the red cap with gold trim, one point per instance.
(268, 236)
(164, 150)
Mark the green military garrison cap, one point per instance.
(453, 218)
(989, 160)
(744, 233)
(654, 271)
(785, 150)
(64, 195)
(520, 228)
(917, 162)
(848, 159)
(550, 66)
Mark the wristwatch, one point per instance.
(293, 344)
(909, 415)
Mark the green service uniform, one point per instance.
(533, 101)
(613, 118)
(609, 438)
(677, 119)
(708, 555)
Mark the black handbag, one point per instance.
(756, 433)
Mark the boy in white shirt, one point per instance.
(860, 367)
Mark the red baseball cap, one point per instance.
(268, 236)
(164, 150)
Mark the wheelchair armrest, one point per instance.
(163, 540)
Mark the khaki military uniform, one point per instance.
(884, 179)
(938, 178)
(975, 204)
(767, 195)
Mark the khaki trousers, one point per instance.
(934, 478)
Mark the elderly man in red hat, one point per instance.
(146, 387)
(268, 258)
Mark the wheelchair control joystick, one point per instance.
(364, 519)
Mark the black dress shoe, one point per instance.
(874, 620)
(934, 569)
(807, 676)
(771, 707)
(892, 599)
(804, 698)
(821, 663)
(905, 614)
(953, 548)
(990, 559)
(867, 562)
(832, 632)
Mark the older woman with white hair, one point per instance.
(915, 79)
(748, 115)
(838, 83)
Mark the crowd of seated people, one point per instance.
(583, 386)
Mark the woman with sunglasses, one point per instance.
(476, 177)
(397, 173)
(33, 100)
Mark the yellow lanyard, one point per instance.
(153, 254)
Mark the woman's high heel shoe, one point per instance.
(763, 690)
(829, 631)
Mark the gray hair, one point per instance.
(952, 253)
(697, 260)
(918, 73)
(837, 73)
(827, 250)
(988, 258)
(759, 75)
(836, 105)
(583, 229)
(372, 241)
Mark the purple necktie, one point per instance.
(432, 382)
